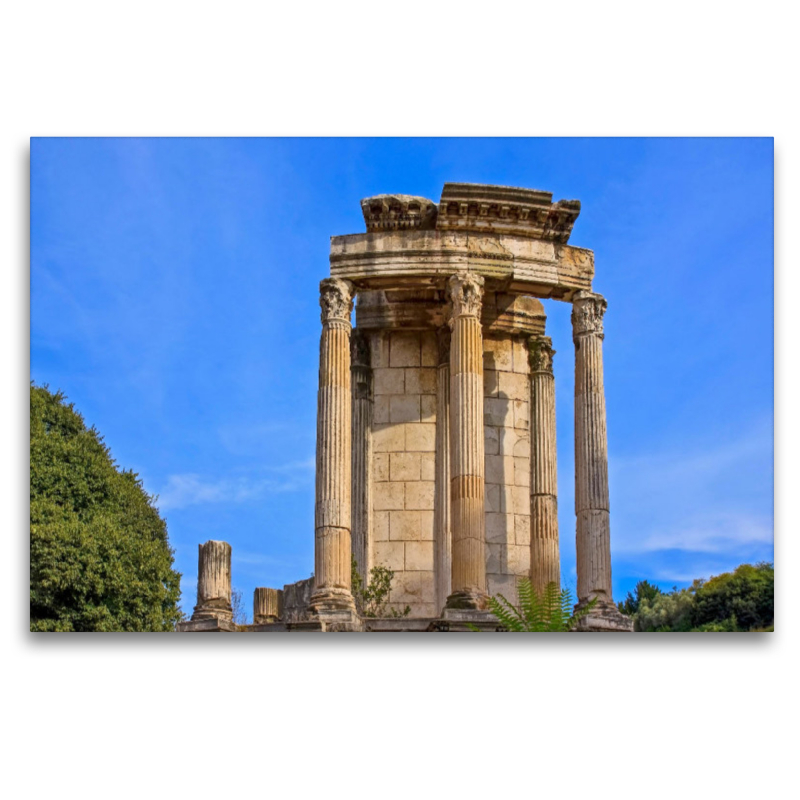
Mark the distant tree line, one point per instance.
(738, 601)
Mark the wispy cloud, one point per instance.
(712, 499)
(709, 533)
(190, 489)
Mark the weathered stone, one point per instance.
(468, 582)
(386, 212)
(213, 582)
(544, 553)
(267, 605)
(332, 556)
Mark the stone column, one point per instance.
(593, 535)
(213, 582)
(468, 521)
(361, 373)
(442, 561)
(332, 551)
(545, 566)
(266, 605)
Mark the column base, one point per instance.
(471, 601)
(209, 625)
(336, 610)
(603, 618)
(222, 612)
(456, 620)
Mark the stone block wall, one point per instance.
(403, 463)
(403, 445)
(507, 461)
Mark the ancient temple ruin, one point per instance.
(436, 426)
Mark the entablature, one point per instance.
(421, 259)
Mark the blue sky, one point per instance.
(174, 300)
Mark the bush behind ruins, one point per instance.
(100, 557)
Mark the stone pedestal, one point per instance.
(593, 537)
(332, 551)
(468, 522)
(457, 620)
(603, 618)
(545, 564)
(207, 626)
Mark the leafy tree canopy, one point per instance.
(644, 591)
(742, 600)
(100, 557)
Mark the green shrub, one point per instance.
(371, 599)
(100, 557)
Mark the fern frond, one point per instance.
(509, 617)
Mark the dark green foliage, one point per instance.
(100, 557)
(644, 591)
(665, 612)
(371, 599)
(548, 612)
(747, 594)
(738, 601)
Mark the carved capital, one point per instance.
(540, 354)
(443, 336)
(466, 292)
(587, 314)
(335, 300)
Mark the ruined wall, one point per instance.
(296, 599)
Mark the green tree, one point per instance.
(746, 594)
(738, 601)
(100, 557)
(644, 591)
(548, 612)
(665, 612)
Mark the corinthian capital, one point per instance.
(540, 354)
(466, 292)
(587, 314)
(335, 300)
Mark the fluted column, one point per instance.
(468, 522)
(442, 561)
(213, 582)
(593, 542)
(361, 372)
(332, 510)
(545, 566)
(266, 605)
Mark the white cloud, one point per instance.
(710, 533)
(712, 498)
(191, 489)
